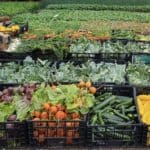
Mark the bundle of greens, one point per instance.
(95, 72)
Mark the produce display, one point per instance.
(57, 45)
(87, 62)
(42, 71)
(23, 102)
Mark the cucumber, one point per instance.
(113, 119)
(131, 109)
(105, 103)
(101, 122)
(123, 110)
(94, 119)
(121, 115)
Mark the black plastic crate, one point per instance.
(56, 133)
(145, 128)
(19, 57)
(111, 135)
(13, 134)
(144, 57)
(125, 41)
(107, 57)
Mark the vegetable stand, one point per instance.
(108, 117)
(43, 133)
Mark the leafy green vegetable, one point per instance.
(22, 107)
(41, 71)
(68, 95)
(6, 109)
(138, 73)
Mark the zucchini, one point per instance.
(121, 115)
(104, 103)
(131, 109)
(94, 119)
(101, 122)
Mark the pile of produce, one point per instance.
(62, 45)
(58, 45)
(22, 101)
(42, 71)
(113, 109)
(108, 116)
(87, 46)
(138, 74)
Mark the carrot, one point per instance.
(60, 115)
(43, 124)
(92, 90)
(69, 139)
(36, 122)
(60, 132)
(53, 109)
(46, 106)
(75, 115)
(44, 115)
(70, 133)
(37, 114)
(69, 124)
(35, 133)
(88, 84)
(42, 130)
(52, 124)
(60, 107)
(41, 138)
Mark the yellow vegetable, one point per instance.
(144, 97)
(140, 105)
(146, 117)
(146, 107)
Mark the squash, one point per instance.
(144, 97)
(146, 107)
(140, 105)
(146, 117)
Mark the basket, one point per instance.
(107, 57)
(144, 57)
(112, 135)
(13, 134)
(56, 133)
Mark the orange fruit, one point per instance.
(92, 90)
(44, 115)
(46, 106)
(88, 84)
